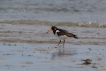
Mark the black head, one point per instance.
(54, 28)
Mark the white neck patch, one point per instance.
(57, 31)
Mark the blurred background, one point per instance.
(54, 10)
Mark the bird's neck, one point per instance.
(54, 31)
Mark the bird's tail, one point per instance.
(72, 35)
(75, 36)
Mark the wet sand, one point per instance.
(31, 57)
(27, 47)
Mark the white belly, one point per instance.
(63, 37)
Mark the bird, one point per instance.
(61, 34)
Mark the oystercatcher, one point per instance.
(61, 34)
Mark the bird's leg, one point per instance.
(63, 43)
(59, 43)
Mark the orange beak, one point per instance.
(49, 30)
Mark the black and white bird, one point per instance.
(61, 34)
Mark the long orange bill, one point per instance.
(49, 30)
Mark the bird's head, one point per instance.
(53, 28)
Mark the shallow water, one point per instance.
(25, 46)
(37, 34)
(18, 56)
(54, 10)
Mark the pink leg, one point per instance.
(63, 43)
(59, 43)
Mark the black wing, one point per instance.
(62, 32)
